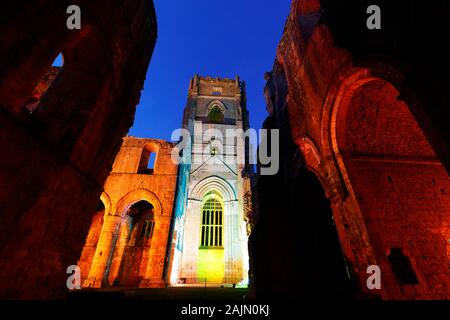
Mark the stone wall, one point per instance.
(366, 110)
(57, 157)
(125, 187)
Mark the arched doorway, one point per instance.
(140, 224)
(399, 185)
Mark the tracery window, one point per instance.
(212, 224)
(147, 227)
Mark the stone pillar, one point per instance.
(244, 247)
(105, 249)
(233, 252)
(191, 239)
(117, 251)
(153, 259)
(175, 269)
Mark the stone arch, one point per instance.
(21, 75)
(131, 253)
(122, 247)
(213, 183)
(135, 196)
(381, 152)
(106, 202)
(212, 210)
(346, 80)
(313, 159)
(217, 103)
(212, 194)
(79, 86)
(216, 111)
(210, 262)
(149, 148)
(153, 146)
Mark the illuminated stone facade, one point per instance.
(128, 244)
(170, 223)
(61, 128)
(362, 116)
(214, 248)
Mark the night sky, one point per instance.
(212, 38)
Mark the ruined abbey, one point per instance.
(154, 228)
(361, 117)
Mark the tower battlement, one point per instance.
(216, 86)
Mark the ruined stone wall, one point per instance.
(124, 187)
(294, 248)
(87, 255)
(369, 125)
(56, 158)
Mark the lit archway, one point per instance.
(216, 111)
(390, 170)
(210, 184)
(211, 259)
(130, 256)
(135, 196)
(203, 261)
(134, 246)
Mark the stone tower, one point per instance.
(213, 232)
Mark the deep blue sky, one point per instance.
(210, 37)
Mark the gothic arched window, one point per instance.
(141, 218)
(147, 227)
(215, 114)
(212, 224)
